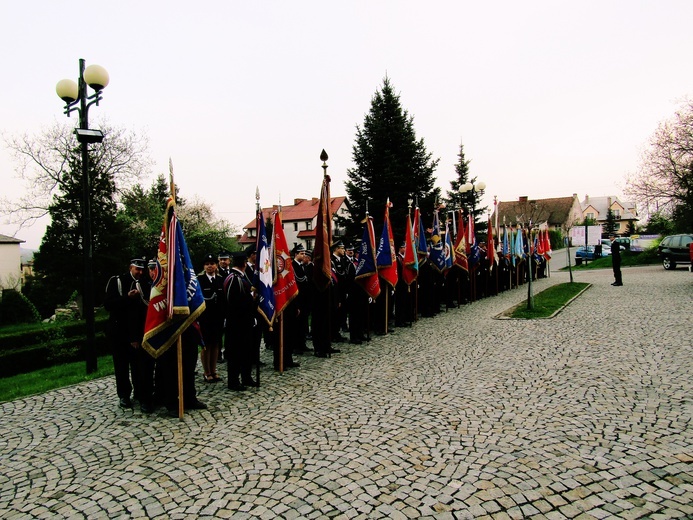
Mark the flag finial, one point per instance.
(323, 158)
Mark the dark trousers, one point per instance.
(239, 353)
(125, 368)
(167, 374)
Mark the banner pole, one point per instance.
(181, 403)
(281, 343)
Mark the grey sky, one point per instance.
(549, 98)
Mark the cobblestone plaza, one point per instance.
(585, 415)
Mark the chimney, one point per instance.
(587, 199)
(523, 198)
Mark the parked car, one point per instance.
(587, 252)
(675, 249)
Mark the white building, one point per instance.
(10, 263)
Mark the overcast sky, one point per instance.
(549, 98)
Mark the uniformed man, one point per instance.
(224, 268)
(127, 298)
(241, 322)
(310, 290)
(303, 298)
(402, 300)
(339, 315)
(212, 319)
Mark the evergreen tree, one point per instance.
(390, 162)
(610, 224)
(469, 200)
(59, 260)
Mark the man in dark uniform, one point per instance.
(616, 261)
(127, 300)
(212, 319)
(302, 300)
(339, 266)
(309, 290)
(357, 304)
(241, 322)
(224, 263)
(223, 271)
(402, 296)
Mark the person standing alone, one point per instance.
(616, 260)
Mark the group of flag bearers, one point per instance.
(270, 290)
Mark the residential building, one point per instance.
(299, 221)
(10, 263)
(558, 213)
(596, 208)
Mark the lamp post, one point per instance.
(76, 98)
(477, 188)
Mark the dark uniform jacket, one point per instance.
(127, 315)
(212, 319)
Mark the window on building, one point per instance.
(617, 226)
(617, 213)
(295, 226)
(309, 244)
(590, 216)
(309, 225)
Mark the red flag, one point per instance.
(284, 283)
(547, 244)
(322, 273)
(386, 259)
(460, 250)
(410, 265)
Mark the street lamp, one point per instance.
(76, 98)
(479, 188)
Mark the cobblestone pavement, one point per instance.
(586, 415)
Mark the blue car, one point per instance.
(587, 252)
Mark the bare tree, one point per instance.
(664, 180)
(43, 165)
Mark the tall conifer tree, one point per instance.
(467, 200)
(389, 162)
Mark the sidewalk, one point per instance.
(586, 415)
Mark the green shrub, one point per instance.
(54, 352)
(16, 308)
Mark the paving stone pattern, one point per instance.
(586, 415)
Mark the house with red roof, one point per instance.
(299, 221)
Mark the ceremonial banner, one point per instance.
(367, 270)
(410, 264)
(473, 255)
(437, 246)
(285, 286)
(506, 246)
(460, 250)
(420, 237)
(322, 272)
(176, 299)
(519, 251)
(385, 258)
(490, 246)
(264, 274)
(547, 244)
(448, 247)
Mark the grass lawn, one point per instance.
(548, 301)
(50, 378)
